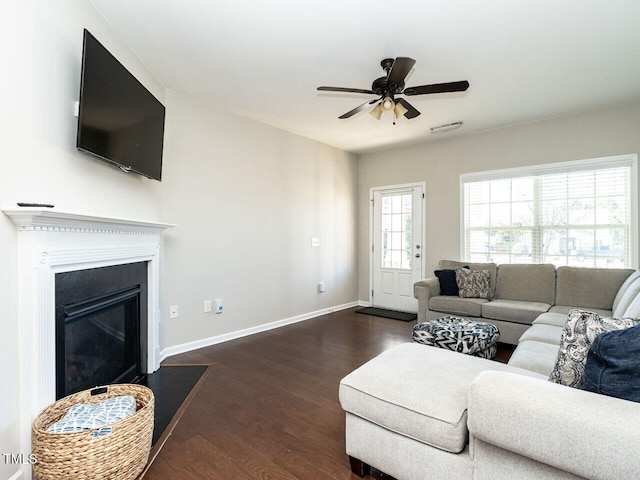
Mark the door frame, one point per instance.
(400, 186)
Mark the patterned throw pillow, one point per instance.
(580, 331)
(473, 283)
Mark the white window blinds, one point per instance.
(581, 213)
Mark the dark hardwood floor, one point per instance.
(268, 409)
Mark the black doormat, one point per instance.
(171, 385)
(382, 312)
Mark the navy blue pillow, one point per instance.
(613, 364)
(448, 284)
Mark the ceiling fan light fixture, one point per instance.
(400, 110)
(388, 104)
(376, 112)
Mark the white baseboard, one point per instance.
(207, 342)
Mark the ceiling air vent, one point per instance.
(445, 127)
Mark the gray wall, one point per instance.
(602, 133)
(247, 199)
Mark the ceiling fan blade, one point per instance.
(412, 112)
(401, 68)
(359, 109)
(460, 86)
(347, 90)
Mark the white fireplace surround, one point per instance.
(52, 241)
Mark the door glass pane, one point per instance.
(396, 225)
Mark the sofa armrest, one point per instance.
(423, 291)
(590, 435)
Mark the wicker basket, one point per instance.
(120, 455)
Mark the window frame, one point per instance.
(627, 160)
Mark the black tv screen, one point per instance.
(119, 120)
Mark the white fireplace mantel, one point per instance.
(49, 219)
(51, 241)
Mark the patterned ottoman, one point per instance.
(460, 335)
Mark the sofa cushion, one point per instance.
(532, 283)
(473, 283)
(565, 309)
(589, 288)
(417, 391)
(552, 318)
(543, 333)
(579, 332)
(447, 279)
(630, 279)
(514, 310)
(627, 298)
(492, 268)
(466, 307)
(592, 436)
(538, 357)
(613, 364)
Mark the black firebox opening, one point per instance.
(101, 319)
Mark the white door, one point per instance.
(397, 250)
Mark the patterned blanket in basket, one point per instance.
(89, 416)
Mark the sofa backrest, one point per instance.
(530, 282)
(628, 297)
(623, 289)
(491, 267)
(589, 287)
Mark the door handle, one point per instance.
(417, 255)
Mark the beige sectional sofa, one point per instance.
(417, 412)
(522, 293)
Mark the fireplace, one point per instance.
(52, 242)
(101, 324)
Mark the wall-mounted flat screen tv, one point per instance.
(119, 120)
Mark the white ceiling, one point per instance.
(525, 59)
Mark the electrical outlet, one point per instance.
(207, 306)
(173, 311)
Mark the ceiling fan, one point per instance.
(392, 84)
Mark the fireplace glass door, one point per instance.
(98, 327)
(101, 342)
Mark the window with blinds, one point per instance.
(581, 213)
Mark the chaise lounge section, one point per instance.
(419, 412)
